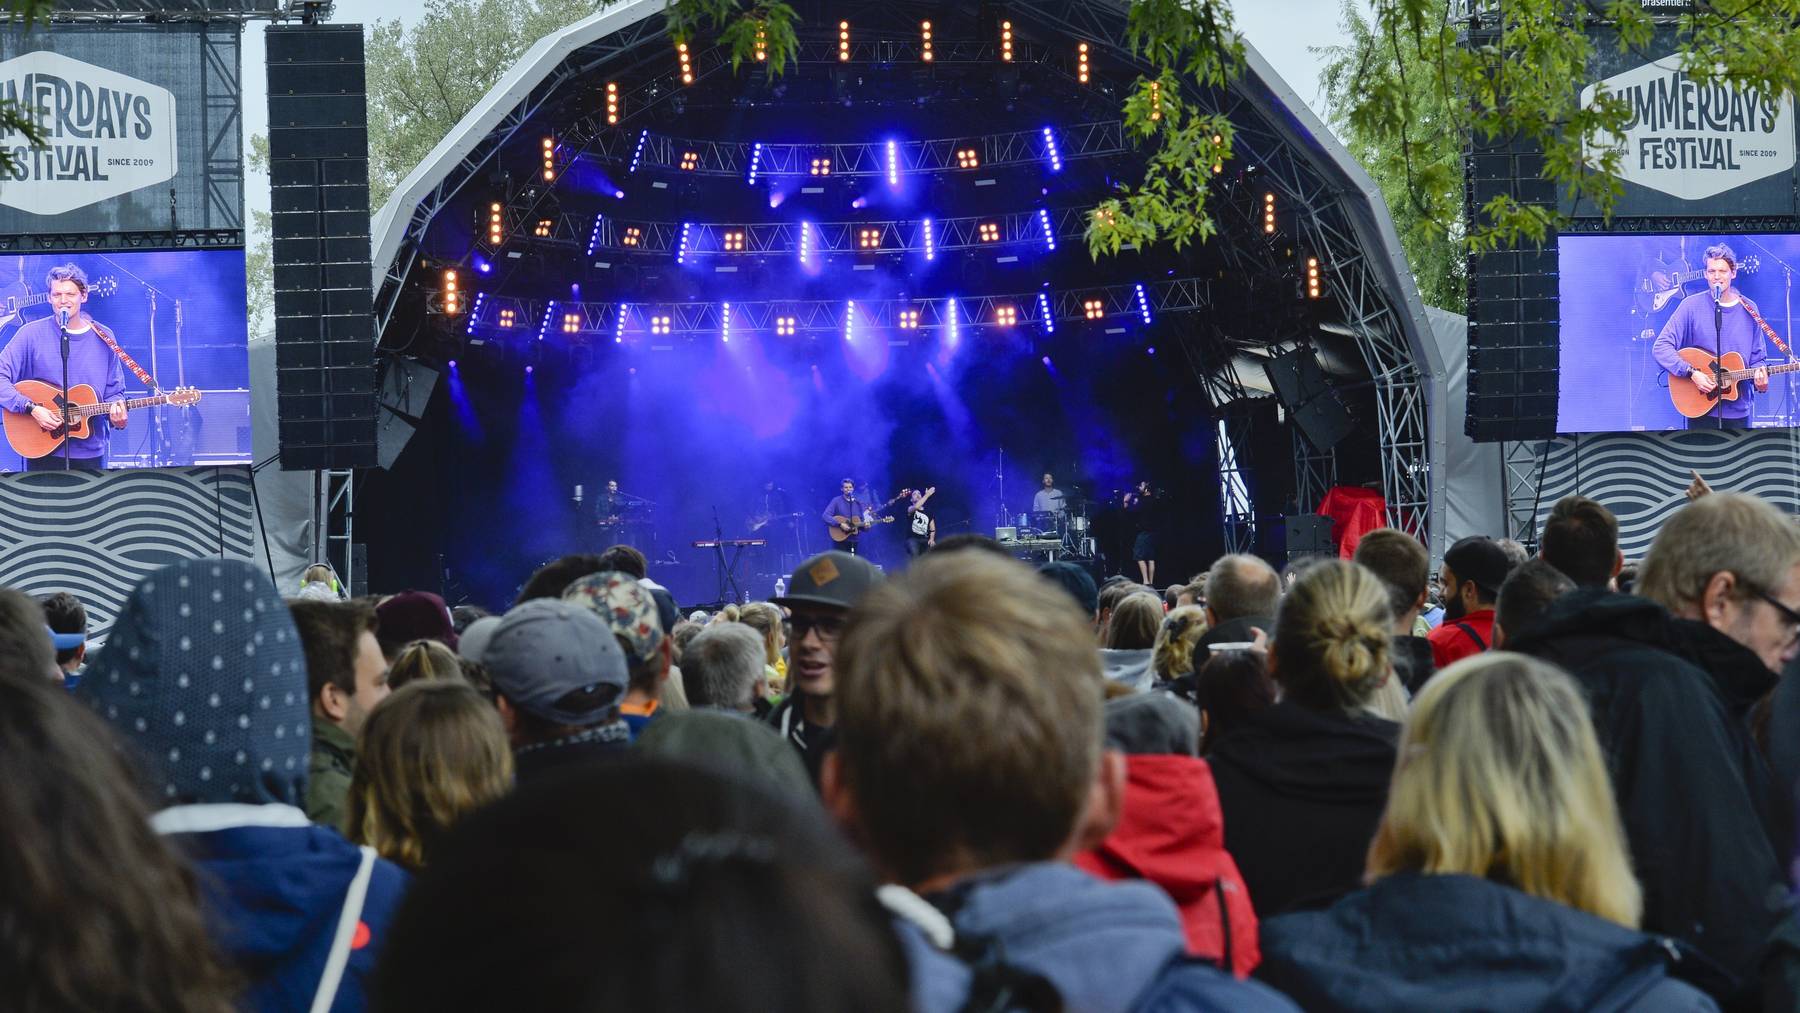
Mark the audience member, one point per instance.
(461, 616)
(730, 745)
(1078, 582)
(1515, 552)
(319, 582)
(1108, 597)
(1471, 574)
(622, 559)
(626, 605)
(1672, 677)
(1131, 640)
(1404, 568)
(410, 616)
(819, 594)
(551, 579)
(1303, 782)
(767, 620)
(67, 619)
(1172, 596)
(1172, 656)
(25, 639)
(431, 754)
(970, 540)
(1241, 594)
(1232, 685)
(711, 896)
(1581, 538)
(1500, 835)
(725, 668)
(1170, 831)
(1526, 596)
(558, 675)
(971, 765)
(205, 679)
(423, 660)
(346, 676)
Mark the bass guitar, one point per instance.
(1728, 371)
(857, 524)
(30, 440)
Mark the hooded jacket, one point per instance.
(1669, 699)
(1448, 942)
(1302, 792)
(1101, 946)
(1130, 667)
(1172, 833)
(204, 679)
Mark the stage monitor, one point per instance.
(1638, 319)
(162, 333)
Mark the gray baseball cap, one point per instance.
(557, 660)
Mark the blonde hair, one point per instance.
(1725, 532)
(968, 716)
(423, 660)
(428, 755)
(728, 614)
(1331, 637)
(1135, 621)
(1173, 654)
(765, 619)
(1500, 776)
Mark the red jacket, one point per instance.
(1450, 643)
(1172, 833)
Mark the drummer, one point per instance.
(1049, 499)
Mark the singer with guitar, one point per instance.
(36, 352)
(1718, 323)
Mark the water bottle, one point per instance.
(746, 597)
(780, 586)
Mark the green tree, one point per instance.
(1435, 246)
(259, 266)
(15, 119)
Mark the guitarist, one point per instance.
(1718, 321)
(855, 513)
(35, 353)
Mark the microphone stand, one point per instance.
(1718, 350)
(62, 326)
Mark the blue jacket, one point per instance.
(1442, 942)
(1103, 946)
(274, 887)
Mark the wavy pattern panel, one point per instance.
(1643, 477)
(97, 534)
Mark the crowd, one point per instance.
(1516, 783)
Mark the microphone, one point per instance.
(62, 319)
(1718, 292)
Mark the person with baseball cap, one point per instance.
(627, 606)
(1471, 574)
(820, 594)
(558, 676)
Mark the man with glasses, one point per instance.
(1672, 677)
(819, 596)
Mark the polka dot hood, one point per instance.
(204, 677)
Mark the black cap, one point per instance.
(834, 579)
(1480, 559)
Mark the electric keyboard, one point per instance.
(728, 543)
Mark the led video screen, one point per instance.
(1663, 332)
(157, 369)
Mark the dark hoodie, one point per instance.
(204, 678)
(1669, 698)
(1430, 943)
(1302, 792)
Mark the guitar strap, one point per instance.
(144, 378)
(1766, 329)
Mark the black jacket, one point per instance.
(1428, 943)
(1669, 699)
(1413, 661)
(1302, 792)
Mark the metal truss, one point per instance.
(134, 11)
(1315, 472)
(183, 239)
(583, 321)
(1524, 469)
(911, 158)
(1237, 508)
(765, 239)
(221, 102)
(333, 517)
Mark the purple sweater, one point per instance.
(1692, 327)
(35, 353)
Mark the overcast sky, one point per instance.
(1283, 31)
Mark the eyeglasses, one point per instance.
(1791, 618)
(828, 626)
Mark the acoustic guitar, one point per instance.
(30, 440)
(1728, 371)
(1655, 288)
(857, 525)
(15, 297)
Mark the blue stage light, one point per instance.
(475, 314)
(952, 326)
(755, 161)
(594, 237)
(893, 163)
(619, 324)
(1049, 233)
(1050, 152)
(529, 370)
(930, 246)
(850, 320)
(545, 324)
(1044, 313)
(483, 265)
(1143, 300)
(681, 252)
(805, 243)
(725, 323)
(637, 156)
(620, 194)
(452, 364)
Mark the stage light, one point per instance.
(1312, 278)
(868, 239)
(571, 323)
(725, 323)
(619, 324)
(733, 241)
(755, 161)
(544, 325)
(483, 265)
(930, 243)
(952, 323)
(989, 232)
(690, 160)
(1081, 63)
(925, 41)
(909, 320)
(821, 167)
(1155, 100)
(843, 41)
(612, 103)
(805, 243)
(1050, 152)
(1006, 316)
(968, 158)
(620, 194)
(544, 227)
(1049, 233)
(660, 324)
(453, 364)
(762, 43)
(1044, 313)
(687, 65)
(549, 159)
(1143, 300)
(508, 318)
(495, 230)
(637, 155)
(452, 302)
(1268, 214)
(850, 320)
(1006, 41)
(893, 162)
(480, 297)
(681, 251)
(530, 369)
(784, 326)
(1093, 309)
(632, 237)
(594, 237)
(1218, 140)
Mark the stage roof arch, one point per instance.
(1370, 331)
